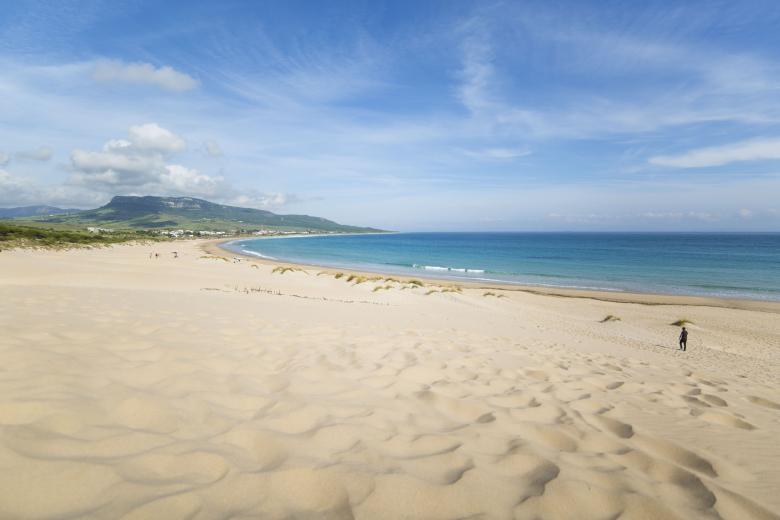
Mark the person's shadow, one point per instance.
(667, 347)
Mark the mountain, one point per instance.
(195, 214)
(33, 211)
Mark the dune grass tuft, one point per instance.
(610, 317)
(210, 257)
(338, 275)
(358, 278)
(281, 269)
(682, 322)
(452, 289)
(382, 288)
(417, 283)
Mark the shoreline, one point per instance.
(214, 247)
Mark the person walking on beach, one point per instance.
(683, 339)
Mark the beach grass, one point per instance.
(452, 289)
(682, 322)
(610, 317)
(358, 279)
(14, 235)
(382, 288)
(282, 269)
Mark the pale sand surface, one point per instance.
(201, 388)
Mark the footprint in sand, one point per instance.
(613, 426)
(676, 454)
(456, 409)
(410, 447)
(714, 399)
(443, 469)
(722, 419)
(760, 401)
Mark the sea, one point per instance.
(727, 265)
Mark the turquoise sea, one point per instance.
(737, 265)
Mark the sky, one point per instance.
(493, 116)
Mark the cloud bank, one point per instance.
(141, 163)
(752, 150)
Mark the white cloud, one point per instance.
(4, 158)
(500, 154)
(21, 191)
(477, 74)
(187, 181)
(212, 148)
(152, 137)
(140, 164)
(745, 213)
(262, 200)
(12, 187)
(753, 150)
(42, 153)
(143, 73)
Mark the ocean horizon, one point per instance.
(725, 265)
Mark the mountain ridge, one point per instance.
(153, 212)
(34, 211)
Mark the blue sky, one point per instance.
(403, 115)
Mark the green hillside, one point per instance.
(194, 214)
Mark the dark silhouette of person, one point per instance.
(684, 339)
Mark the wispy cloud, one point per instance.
(477, 71)
(212, 148)
(752, 150)
(164, 77)
(498, 154)
(42, 153)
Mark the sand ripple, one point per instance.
(241, 417)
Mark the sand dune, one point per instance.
(202, 388)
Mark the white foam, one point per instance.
(255, 253)
(441, 268)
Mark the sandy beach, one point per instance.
(201, 387)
